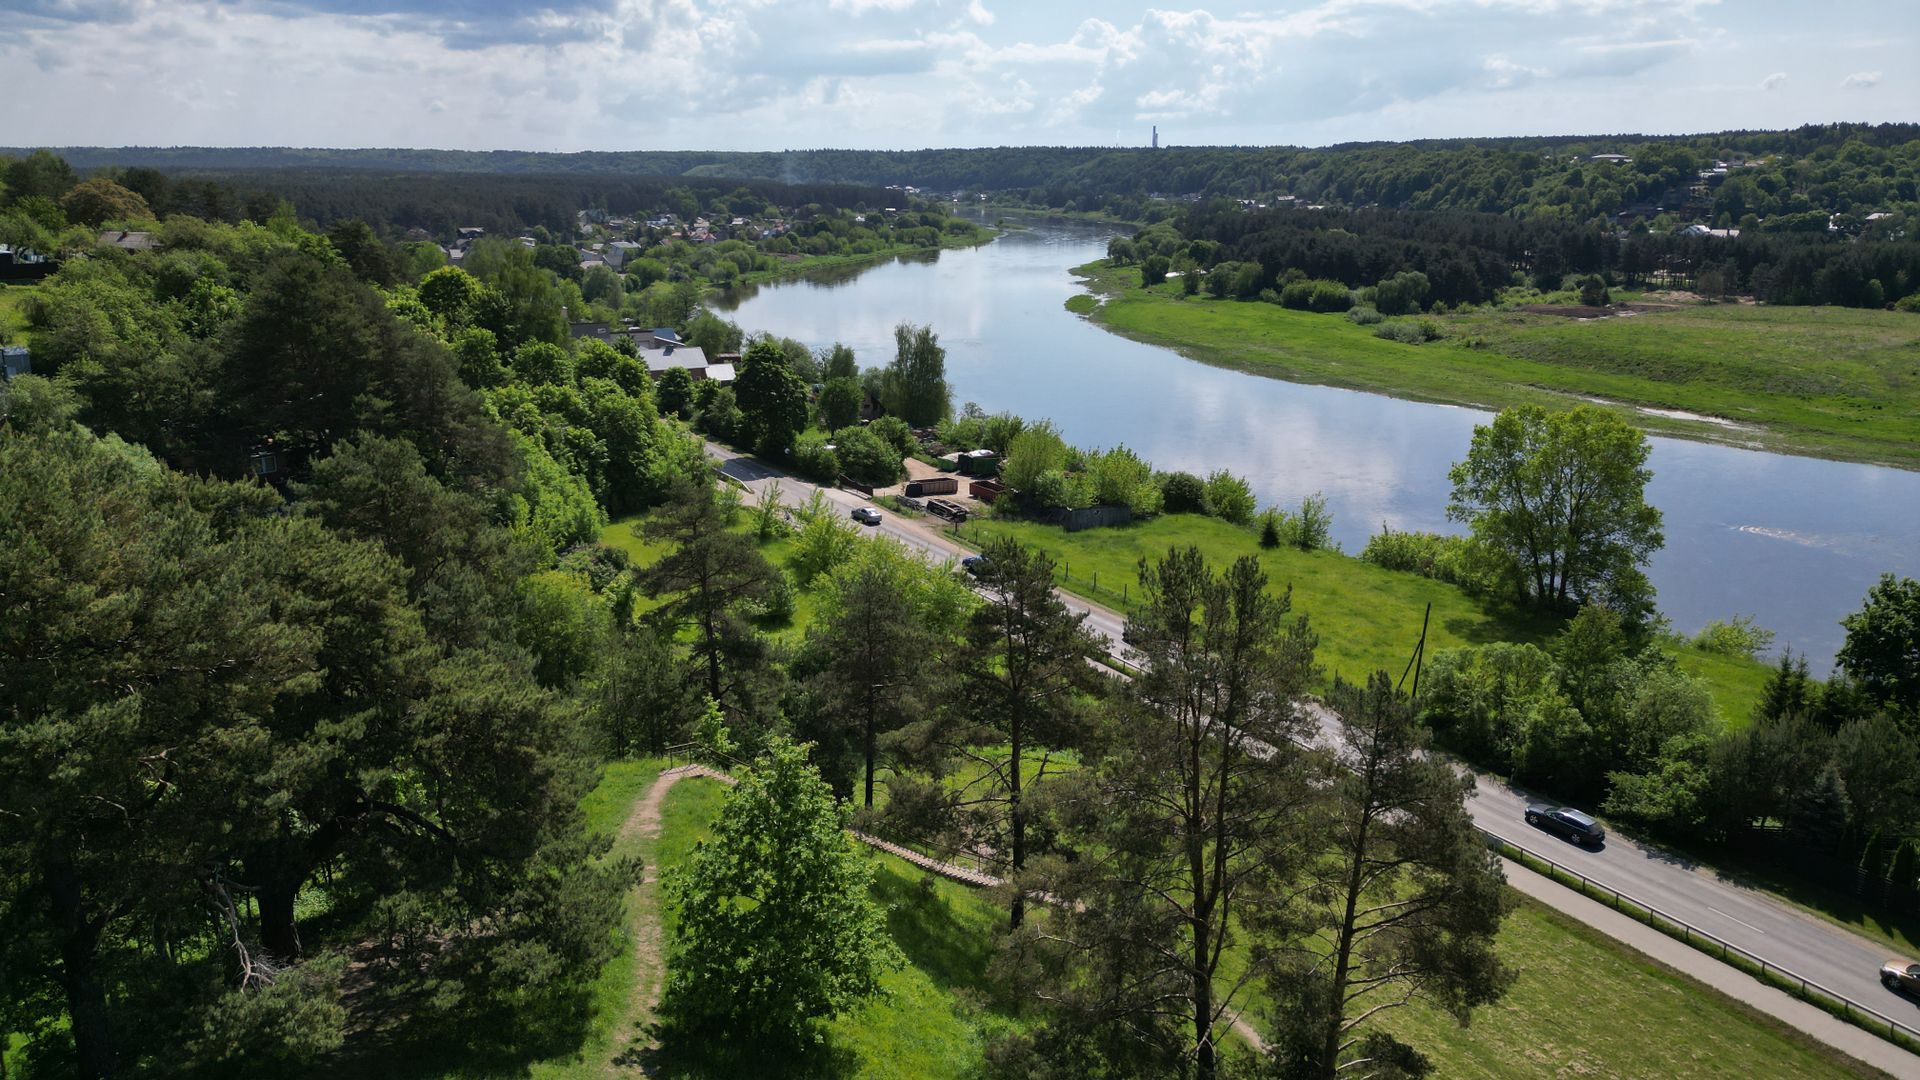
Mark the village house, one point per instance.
(129, 241)
(15, 361)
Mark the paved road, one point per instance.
(1781, 935)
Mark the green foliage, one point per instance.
(775, 930)
(98, 201)
(825, 541)
(1035, 451)
(1593, 291)
(1882, 650)
(814, 457)
(674, 392)
(1409, 331)
(1183, 493)
(1230, 497)
(1563, 496)
(773, 400)
(866, 457)
(914, 386)
(1153, 270)
(839, 403)
(1401, 294)
(1738, 636)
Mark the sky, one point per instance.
(900, 74)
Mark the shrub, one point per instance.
(1183, 493)
(1734, 637)
(814, 458)
(1329, 296)
(865, 456)
(895, 431)
(1908, 303)
(1297, 295)
(1313, 524)
(1593, 291)
(1408, 331)
(1453, 559)
(1230, 497)
(1365, 316)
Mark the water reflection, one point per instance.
(1793, 541)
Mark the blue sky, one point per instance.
(775, 74)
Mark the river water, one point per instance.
(1794, 542)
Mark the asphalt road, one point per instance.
(1809, 947)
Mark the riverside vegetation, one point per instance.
(341, 537)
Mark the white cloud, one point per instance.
(1861, 80)
(1773, 81)
(978, 14)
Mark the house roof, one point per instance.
(668, 357)
(130, 241)
(720, 372)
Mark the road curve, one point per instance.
(1778, 933)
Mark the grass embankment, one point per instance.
(13, 313)
(939, 1013)
(1827, 382)
(1368, 618)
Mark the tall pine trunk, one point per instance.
(80, 975)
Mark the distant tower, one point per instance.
(1156, 136)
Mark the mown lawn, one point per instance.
(1829, 382)
(1367, 618)
(1583, 1005)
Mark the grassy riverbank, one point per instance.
(1826, 382)
(1368, 618)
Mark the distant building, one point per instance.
(15, 361)
(1612, 159)
(129, 241)
(620, 251)
(20, 265)
(1698, 229)
(1156, 136)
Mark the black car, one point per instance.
(1568, 822)
(974, 564)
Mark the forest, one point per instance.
(1833, 168)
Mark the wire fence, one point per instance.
(1799, 986)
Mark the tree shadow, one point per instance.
(666, 1050)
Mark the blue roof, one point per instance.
(665, 333)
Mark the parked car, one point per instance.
(974, 564)
(1568, 822)
(866, 515)
(1901, 975)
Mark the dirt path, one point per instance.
(649, 958)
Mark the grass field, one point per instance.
(1828, 382)
(1368, 618)
(1629, 1017)
(13, 317)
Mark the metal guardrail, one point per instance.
(1786, 979)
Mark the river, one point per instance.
(1795, 542)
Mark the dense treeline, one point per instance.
(1833, 168)
(1469, 258)
(265, 737)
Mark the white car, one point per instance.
(866, 515)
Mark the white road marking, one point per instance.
(1742, 922)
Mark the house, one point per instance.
(14, 361)
(620, 251)
(666, 356)
(129, 241)
(1612, 159)
(469, 234)
(1697, 229)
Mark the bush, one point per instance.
(1230, 497)
(1329, 296)
(1734, 637)
(1297, 295)
(814, 459)
(1365, 316)
(776, 607)
(896, 433)
(1908, 303)
(866, 457)
(1456, 560)
(1313, 524)
(1183, 493)
(1408, 331)
(1593, 291)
